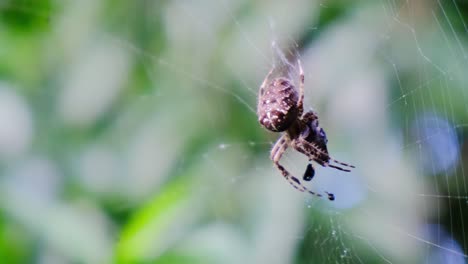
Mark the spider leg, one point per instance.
(300, 102)
(276, 153)
(264, 83)
(315, 152)
(338, 168)
(320, 161)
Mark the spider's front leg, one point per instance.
(276, 153)
(313, 152)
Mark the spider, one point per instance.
(280, 109)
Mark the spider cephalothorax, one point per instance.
(280, 109)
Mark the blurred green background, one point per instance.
(128, 131)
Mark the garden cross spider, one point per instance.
(280, 109)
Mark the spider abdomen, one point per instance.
(277, 105)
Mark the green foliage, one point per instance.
(143, 124)
(145, 231)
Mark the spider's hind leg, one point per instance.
(265, 82)
(276, 153)
(300, 102)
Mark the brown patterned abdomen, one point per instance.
(277, 105)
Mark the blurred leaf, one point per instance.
(146, 233)
(26, 15)
(13, 241)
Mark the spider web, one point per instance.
(387, 78)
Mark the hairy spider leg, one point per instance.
(313, 156)
(326, 153)
(311, 116)
(276, 153)
(314, 148)
(300, 102)
(265, 81)
(320, 161)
